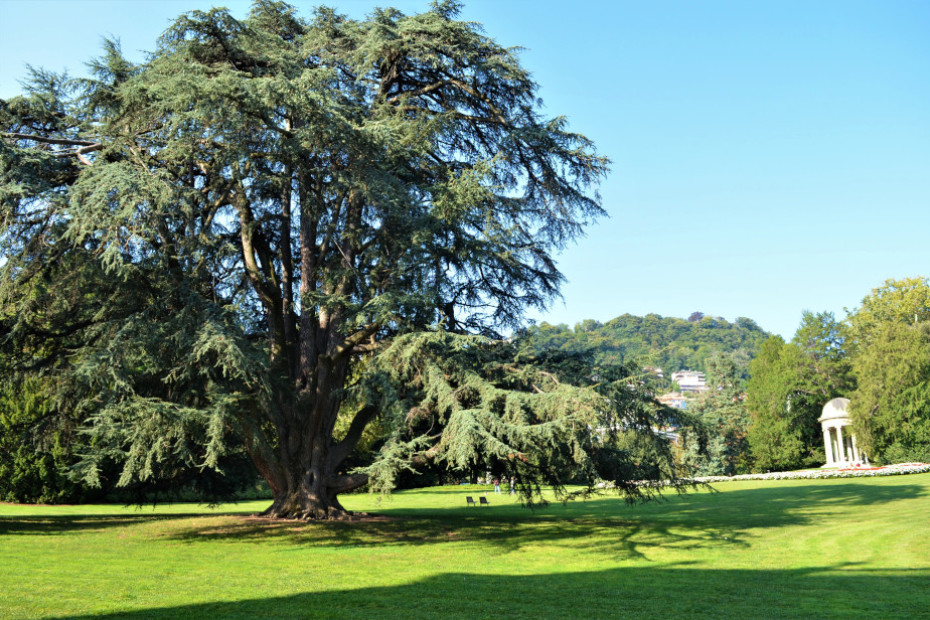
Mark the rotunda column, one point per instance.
(828, 448)
(839, 444)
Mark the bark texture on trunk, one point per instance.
(312, 348)
(304, 477)
(308, 500)
(310, 493)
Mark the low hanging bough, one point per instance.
(546, 419)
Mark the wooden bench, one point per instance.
(469, 501)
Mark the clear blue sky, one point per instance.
(768, 157)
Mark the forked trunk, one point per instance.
(304, 478)
(307, 503)
(311, 495)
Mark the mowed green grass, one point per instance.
(852, 548)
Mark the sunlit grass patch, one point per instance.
(820, 548)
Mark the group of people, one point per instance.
(513, 486)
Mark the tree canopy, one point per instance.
(789, 385)
(666, 342)
(713, 433)
(896, 302)
(890, 408)
(240, 231)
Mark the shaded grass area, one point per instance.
(624, 592)
(804, 549)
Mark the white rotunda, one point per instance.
(838, 440)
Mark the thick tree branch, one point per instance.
(341, 450)
(418, 91)
(47, 140)
(85, 146)
(348, 345)
(346, 482)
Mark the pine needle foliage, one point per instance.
(490, 407)
(713, 431)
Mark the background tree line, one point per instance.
(878, 357)
(766, 394)
(664, 342)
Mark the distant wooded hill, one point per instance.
(652, 340)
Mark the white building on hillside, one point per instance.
(654, 370)
(674, 399)
(690, 380)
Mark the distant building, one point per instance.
(690, 380)
(673, 399)
(653, 370)
(672, 436)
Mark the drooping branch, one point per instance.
(50, 140)
(84, 146)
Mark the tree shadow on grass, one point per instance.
(689, 521)
(617, 537)
(642, 592)
(34, 525)
(603, 526)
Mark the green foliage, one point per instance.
(790, 384)
(258, 208)
(474, 405)
(890, 409)
(775, 432)
(36, 449)
(40, 324)
(172, 382)
(713, 431)
(668, 343)
(905, 301)
(148, 370)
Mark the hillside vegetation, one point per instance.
(666, 342)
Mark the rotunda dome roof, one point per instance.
(835, 409)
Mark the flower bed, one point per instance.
(812, 474)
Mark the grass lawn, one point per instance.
(844, 548)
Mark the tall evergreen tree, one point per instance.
(789, 385)
(713, 438)
(890, 408)
(285, 199)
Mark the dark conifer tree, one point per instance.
(285, 199)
